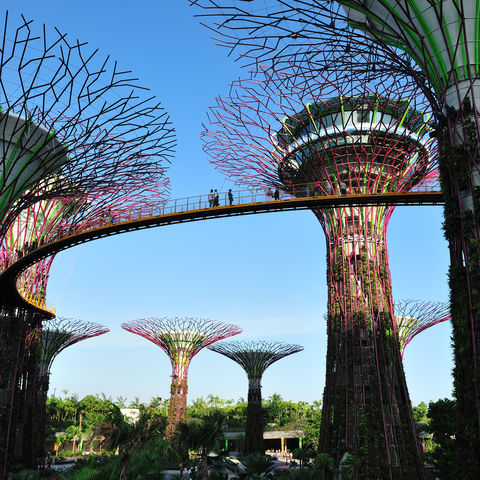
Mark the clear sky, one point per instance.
(265, 273)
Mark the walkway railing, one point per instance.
(253, 195)
(37, 301)
(206, 202)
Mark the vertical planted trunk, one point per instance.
(254, 428)
(460, 175)
(366, 409)
(14, 367)
(178, 399)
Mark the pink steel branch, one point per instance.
(415, 316)
(181, 339)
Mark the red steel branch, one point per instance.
(181, 339)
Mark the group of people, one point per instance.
(214, 200)
(269, 195)
(185, 471)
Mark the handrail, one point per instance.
(37, 301)
(206, 202)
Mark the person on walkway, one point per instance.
(268, 195)
(230, 196)
(276, 194)
(211, 198)
(343, 188)
(216, 202)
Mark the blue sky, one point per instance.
(265, 273)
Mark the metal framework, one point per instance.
(282, 130)
(415, 316)
(69, 114)
(434, 45)
(53, 337)
(255, 357)
(78, 135)
(181, 339)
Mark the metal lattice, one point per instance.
(415, 316)
(255, 357)
(181, 339)
(66, 113)
(336, 136)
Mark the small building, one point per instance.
(131, 415)
(279, 441)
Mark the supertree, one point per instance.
(435, 45)
(416, 316)
(40, 223)
(309, 138)
(68, 113)
(255, 357)
(74, 127)
(181, 339)
(47, 343)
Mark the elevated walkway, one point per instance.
(189, 209)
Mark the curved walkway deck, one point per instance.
(245, 202)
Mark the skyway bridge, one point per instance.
(188, 209)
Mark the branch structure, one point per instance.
(181, 339)
(55, 336)
(79, 138)
(434, 45)
(255, 357)
(35, 225)
(307, 136)
(415, 316)
(67, 113)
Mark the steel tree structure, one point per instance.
(255, 357)
(66, 112)
(39, 223)
(416, 316)
(48, 342)
(436, 46)
(76, 128)
(181, 339)
(305, 136)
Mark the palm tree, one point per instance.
(201, 435)
(127, 438)
(121, 401)
(135, 403)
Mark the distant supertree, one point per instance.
(255, 357)
(435, 45)
(181, 339)
(50, 340)
(415, 316)
(311, 136)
